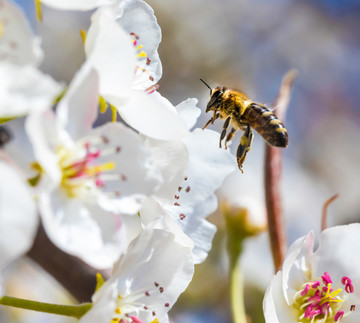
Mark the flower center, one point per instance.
(319, 301)
(81, 170)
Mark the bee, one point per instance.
(243, 114)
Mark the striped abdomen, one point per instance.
(266, 124)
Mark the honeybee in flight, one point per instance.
(243, 114)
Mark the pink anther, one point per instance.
(326, 278)
(338, 316)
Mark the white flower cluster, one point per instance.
(134, 194)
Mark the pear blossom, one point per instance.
(146, 281)
(23, 87)
(86, 177)
(127, 74)
(18, 221)
(320, 285)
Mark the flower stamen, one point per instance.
(319, 302)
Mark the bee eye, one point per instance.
(217, 95)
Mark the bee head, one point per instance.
(216, 97)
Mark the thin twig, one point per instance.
(273, 171)
(324, 211)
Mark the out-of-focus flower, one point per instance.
(87, 177)
(248, 212)
(146, 281)
(18, 220)
(23, 87)
(320, 285)
(18, 45)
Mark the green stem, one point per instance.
(76, 311)
(236, 283)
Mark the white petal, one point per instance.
(189, 112)
(18, 221)
(154, 216)
(83, 229)
(152, 118)
(276, 310)
(78, 109)
(17, 45)
(138, 17)
(45, 138)
(208, 166)
(297, 266)
(25, 89)
(111, 53)
(104, 305)
(19, 147)
(171, 157)
(134, 172)
(76, 4)
(337, 253)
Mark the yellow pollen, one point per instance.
(139, 47)
(99, 281)
(244, 141)
(155, 321)
(141, 54)
(100, 168)
(328, 298)
(118, 311)
(83, 35)
(38, 10)
(114, 113)
(102, 104)
(69, 171)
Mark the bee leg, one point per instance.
(244, 147)
(215, 116)
(229, 136)
(212, 119)
(223, 132)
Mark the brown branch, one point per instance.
(71, 272)
(324, 211)
(273, 171)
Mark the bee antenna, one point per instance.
(206, 84)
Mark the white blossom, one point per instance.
(126, 73)
(18, 216)
(87, 176)
(23, 87)
(146, 281)
(320, 285)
